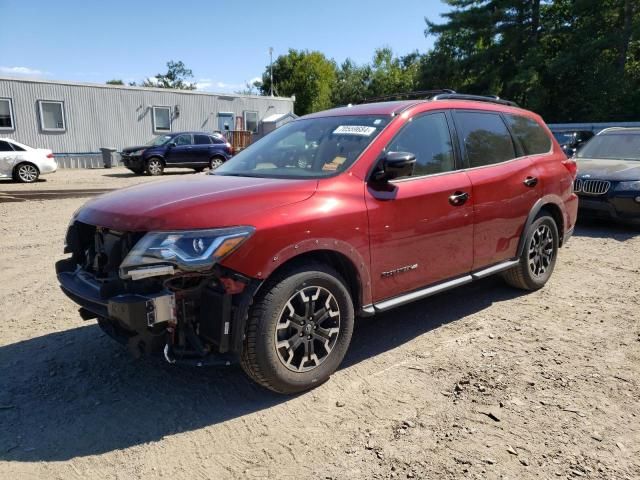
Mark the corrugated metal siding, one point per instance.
(118, 117)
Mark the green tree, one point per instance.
(352, 83)
(308, 75)
(177, 77)
(115, 81)
(571, 60)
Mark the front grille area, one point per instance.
(99, 250)
(591, 187)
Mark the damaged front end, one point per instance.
(161, 292)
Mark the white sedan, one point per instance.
(23, 163)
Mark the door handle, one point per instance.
(458, 198)
(530, 181)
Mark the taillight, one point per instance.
(571, 165)
(230, 148)
(50, 155)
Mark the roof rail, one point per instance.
(417, 95)
(476, 98)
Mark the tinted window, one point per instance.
(531, 135)
(428, 138)
(5, 147)
(182, 140)
(486, 138)
(202, 139)
(218, 139)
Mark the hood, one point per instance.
(133, 149)
(615, 170)
(198, 201)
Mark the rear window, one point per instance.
(530, 134)
(5, 147)
(486, 138)
(202, 139)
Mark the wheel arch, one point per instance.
(27, 162)
(344, 265)
(551, 204)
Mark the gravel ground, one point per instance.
(481, 382)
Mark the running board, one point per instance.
(500, 267)
(441, 287)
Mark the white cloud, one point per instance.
(22, 71)
(210, 85)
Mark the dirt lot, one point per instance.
(481, 382)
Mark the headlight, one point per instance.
(158, 253)
(628, 186)
(138, 152)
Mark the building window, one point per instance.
(251, 121)
(51, 116)
(162, 119)
(6, 114)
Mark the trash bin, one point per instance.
(107, 156)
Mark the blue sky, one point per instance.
(224, 43)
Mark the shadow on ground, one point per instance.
(166, 173)
(595, 228)
(77, 393)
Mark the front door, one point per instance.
(504, 187)
(419, 234)
(182, 153)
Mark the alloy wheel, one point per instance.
(541, 250)
(215, 163)
(155, 167)
(27, 173)
(307, 329)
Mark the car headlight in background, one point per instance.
(159, 253)
(628, 186)
(138, 152)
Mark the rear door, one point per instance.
(419, 235)
(182, 153)
(202, 147)
(504, 187)
(7, 159)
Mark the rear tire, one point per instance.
(26, 173)
(155, 166)
(299, 329)
(538, 257)
(215, 162)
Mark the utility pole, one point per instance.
(271, 70)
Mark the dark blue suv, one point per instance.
(197, 150)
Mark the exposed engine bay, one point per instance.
(185, 316)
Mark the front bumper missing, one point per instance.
(154, 323)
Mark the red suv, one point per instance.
(340, 214)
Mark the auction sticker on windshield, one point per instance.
(354, 130)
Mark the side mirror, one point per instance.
(395, 165)
(171, 144)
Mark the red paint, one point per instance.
(412, 222)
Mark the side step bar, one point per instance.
(385, 305)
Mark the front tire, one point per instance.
(299, 329)
(538, 257)
(26, 173)
(155, 166)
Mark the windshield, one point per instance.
(311, 148)
(159, 140)
(615, 146)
